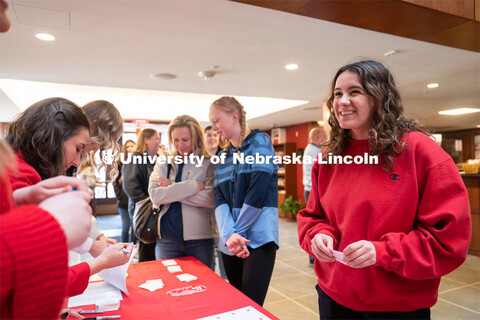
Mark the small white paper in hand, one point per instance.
(338, 256)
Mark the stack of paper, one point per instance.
(247, 313)
(102, 294)
(170, 262)
(118, 276)
(186, 277)
(173, 269)
(152, 285)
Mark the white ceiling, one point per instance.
(121, 43)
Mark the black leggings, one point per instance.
(330, 309)
(252, 275)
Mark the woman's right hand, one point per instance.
(111, 257)
(322, 247)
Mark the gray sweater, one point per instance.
(197, 206)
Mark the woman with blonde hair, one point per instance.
(135, 180)
(186, 192)
(246, 200)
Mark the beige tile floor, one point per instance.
(292, 295)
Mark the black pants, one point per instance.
(146, 252)
(330, 309)
(252, 275)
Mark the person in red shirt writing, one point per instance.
(48, 138)
(382, 234)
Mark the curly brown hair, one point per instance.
(389, 123)
(106, 128)
(40, 131)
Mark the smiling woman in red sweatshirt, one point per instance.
(401, 224)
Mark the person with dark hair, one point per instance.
(48, 138)
(185, 192)
(122, 198)
(383, 234)
(246, 201)
(135, 181)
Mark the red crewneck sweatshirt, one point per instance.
(33, 260)
(417, 216)
(25, 176)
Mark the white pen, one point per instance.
(125, 251)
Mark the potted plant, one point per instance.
(291, 207)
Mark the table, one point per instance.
(213, 294)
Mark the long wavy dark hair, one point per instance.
(389, 123)
(40, 131)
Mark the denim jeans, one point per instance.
(126, 224)
(172, 248)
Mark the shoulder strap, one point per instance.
(168, 171)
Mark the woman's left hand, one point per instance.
(238, 245)
(109, 241)
(360, 254)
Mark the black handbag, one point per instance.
(145, 219)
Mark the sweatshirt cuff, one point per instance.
(383, 257)
(78, 276)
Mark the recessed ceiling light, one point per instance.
(163, 76)
(292, 66)
(45, 36)
(478, 125)
(454, 112)
(432, 85)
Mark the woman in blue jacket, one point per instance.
(246, 200)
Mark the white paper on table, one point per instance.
(186, 277)
(118, 276)
(173, 269)
(338, 256)
(246, 313)
(170, 262)
(98, 293)
(152, 285)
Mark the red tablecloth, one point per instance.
(213, 294)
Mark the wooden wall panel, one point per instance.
(477, 10)
(398, 18)
(462, 8)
